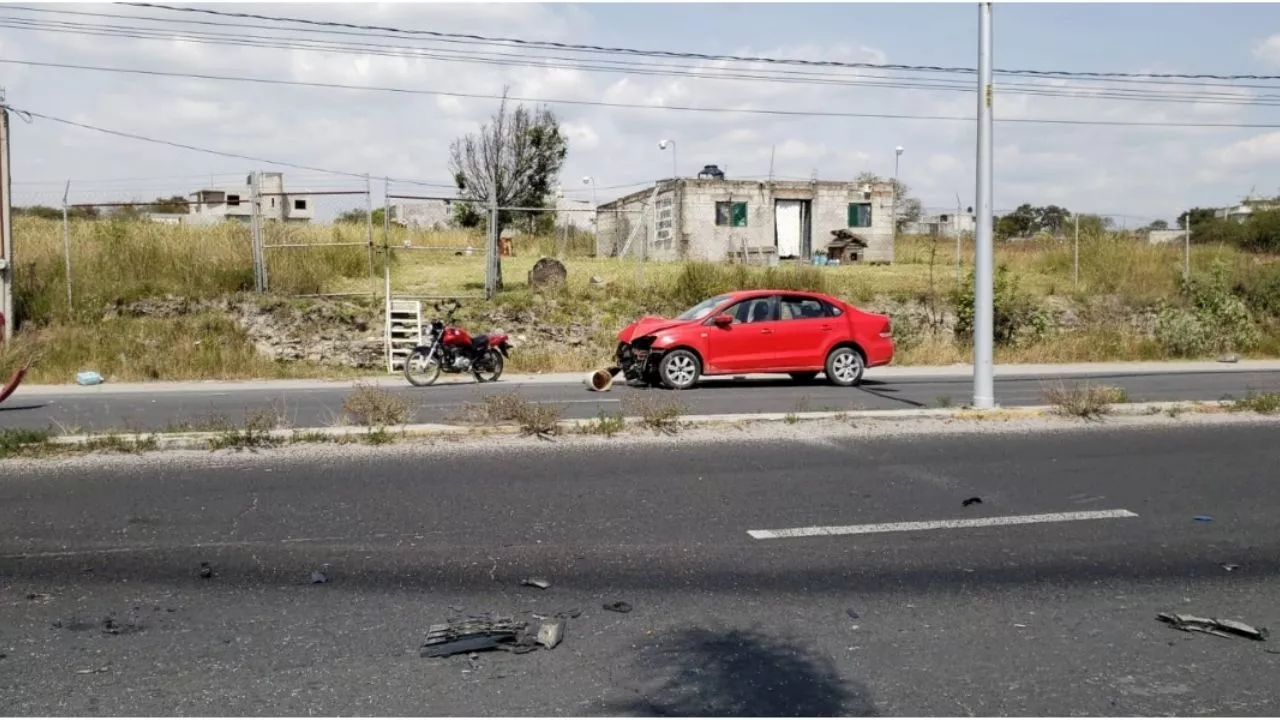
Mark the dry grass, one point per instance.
(1084, 400)
(123, 261)
(373, 407)
(533, 418)
(659, 414)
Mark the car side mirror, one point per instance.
(722, 321)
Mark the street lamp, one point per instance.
(588, 180)
(663, 145)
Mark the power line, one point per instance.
(525, 60)
(208, 151)
(547, 44)
(637, 106)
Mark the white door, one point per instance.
(786, 218)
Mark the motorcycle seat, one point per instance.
(480, 342)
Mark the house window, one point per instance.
(859, 215)
(299, 204)
(733, 214)
(233, 200)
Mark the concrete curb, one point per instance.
(888, 373)
(205, 440)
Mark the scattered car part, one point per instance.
(536, 582)
(971, 501)
(618, 606)
(1213, 626)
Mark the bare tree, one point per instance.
(514, 161)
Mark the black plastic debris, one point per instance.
(319, 577)
(206, 571)
(476, 634)
(618, 606)
(1213, 626)
(1230, 567)
(571, 613)
(853, 614)
(1203, 518)
(972, 501)
(470, 636)
(536, 582)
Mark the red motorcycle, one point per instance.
(451, 349)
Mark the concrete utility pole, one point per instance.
(1075, 268)
(983, 287)
(7, 318)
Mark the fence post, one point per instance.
(368, 233)
(1075, 269)
(255, 231)
(66, 245)
(491, 252)
(1186, 248)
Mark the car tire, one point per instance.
(679, 369)
(803, 377)
(845, 367)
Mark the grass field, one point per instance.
(120, 261)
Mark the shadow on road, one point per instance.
(705, 673)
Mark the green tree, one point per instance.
(514, 161)
(907, 208)
(358, 215)
(1158, 225)
(174, 204)
(1199, 216)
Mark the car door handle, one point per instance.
(826, 327)
(766, 331)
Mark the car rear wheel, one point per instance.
(845, 367)
(804, 377)
(679, 369)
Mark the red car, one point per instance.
(757, 331)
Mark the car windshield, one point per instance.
(702, 309)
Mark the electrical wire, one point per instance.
(876, 82)
(546, 44)
(209, 151)
(637, 106)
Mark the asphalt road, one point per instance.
(107, 411)
(1046, 618)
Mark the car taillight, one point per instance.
(886, 331)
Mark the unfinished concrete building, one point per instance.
(716, 219)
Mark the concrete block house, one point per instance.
(718, 219)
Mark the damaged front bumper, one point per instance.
(636, 359)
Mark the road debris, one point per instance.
(1213, 626)
(319, 577)
(1229, 358)
(206, 571)
(39, 597)
(1203, 518)
(476, 634)
(93, 671)
(536, 582)
(89, 377)
(550, 634)
(1229, 567)
(971, 501)
(618, 606)
(853, 614)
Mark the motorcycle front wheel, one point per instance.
(421, 369)
(488, 367)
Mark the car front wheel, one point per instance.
(679, 369)
(845, 367)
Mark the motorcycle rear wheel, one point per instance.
(421, 370)
(488, 367)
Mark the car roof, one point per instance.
(744, 294)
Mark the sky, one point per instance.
(1136, 174)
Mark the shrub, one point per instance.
(1084, 401)
(1017, 319)
(1214, 319)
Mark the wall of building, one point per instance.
(615, 221)
(280, 208)
(422, 214)
(577, 214)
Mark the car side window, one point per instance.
(832, 310)
(803, 308)
(751, 311)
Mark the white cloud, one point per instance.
(1144, 171)
(1268, 51)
